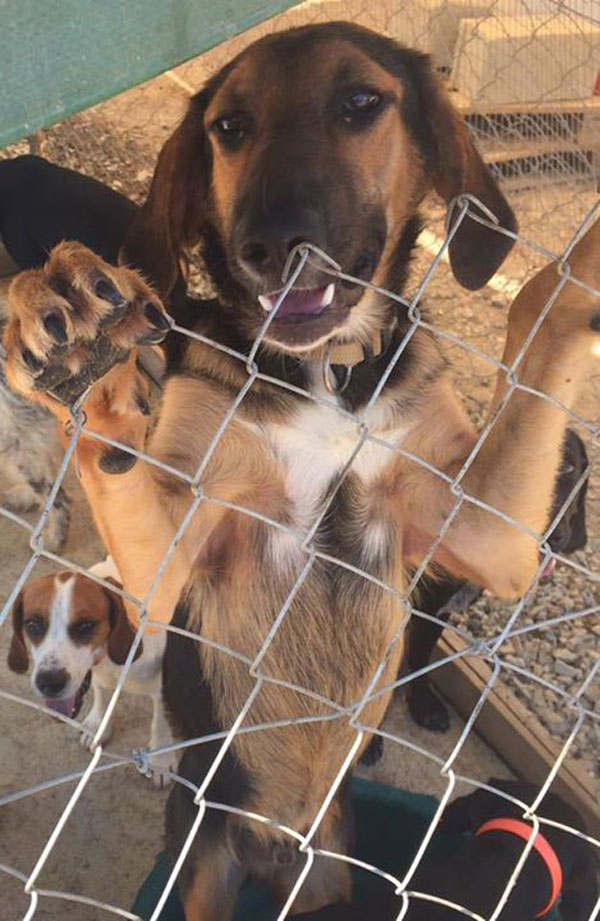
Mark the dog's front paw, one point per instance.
(73, 320)
(89, 728)
(162, 766)
(426, 708)
(21, 498)
(56, 529)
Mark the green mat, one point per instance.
(390, 826)
(60, 56)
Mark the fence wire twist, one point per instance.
(490, 649)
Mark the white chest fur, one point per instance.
(144, 675)
(317, 445)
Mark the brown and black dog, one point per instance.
(332, 135)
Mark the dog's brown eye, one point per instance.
(83, 628)
(34, 627)
(231, 129)
(360, 105)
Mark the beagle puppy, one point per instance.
(78, 634)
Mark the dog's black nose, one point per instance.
(51, 683)
(264, 248)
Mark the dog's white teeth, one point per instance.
(328, 295)
(265, 302)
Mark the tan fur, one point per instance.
(209, 897)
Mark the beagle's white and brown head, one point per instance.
(68, 623)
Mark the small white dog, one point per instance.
(77, 628)
(30, 449)
(30, 455)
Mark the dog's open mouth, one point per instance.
(70, 706)
(300, 303)
(305, 315)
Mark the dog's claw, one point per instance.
(55, 325)
(116, 460)
(143, 405)
(156, 317)
(32, 362)
(108, 291)
(153, 338)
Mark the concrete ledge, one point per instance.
(519, 59)
(512, 730)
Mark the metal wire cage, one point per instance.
(556, 179)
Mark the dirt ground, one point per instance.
(108, 845)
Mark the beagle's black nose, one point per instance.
(51, 683)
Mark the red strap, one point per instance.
(540, 844)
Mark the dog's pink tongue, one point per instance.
(64, 706)
(548, 570)
(301, 302)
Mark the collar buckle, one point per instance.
(349, 354)
(332, 384)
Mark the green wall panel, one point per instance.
(59, 56)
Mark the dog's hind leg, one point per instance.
(211, 876)
(163, 763)
(329, 880)
(56, 529)
(211, 893)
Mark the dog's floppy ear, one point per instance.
(122, 633)
(457, 817)
(18, 658)
(476, 252)
(173, 214)
(468, 813)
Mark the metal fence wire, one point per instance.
(545, 153)
(490, 649)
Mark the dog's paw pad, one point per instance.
(75, 319)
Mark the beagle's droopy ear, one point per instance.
(18, 658)
(122, 633)
(173, 214)
(476, 252)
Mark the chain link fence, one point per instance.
(526, 88)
